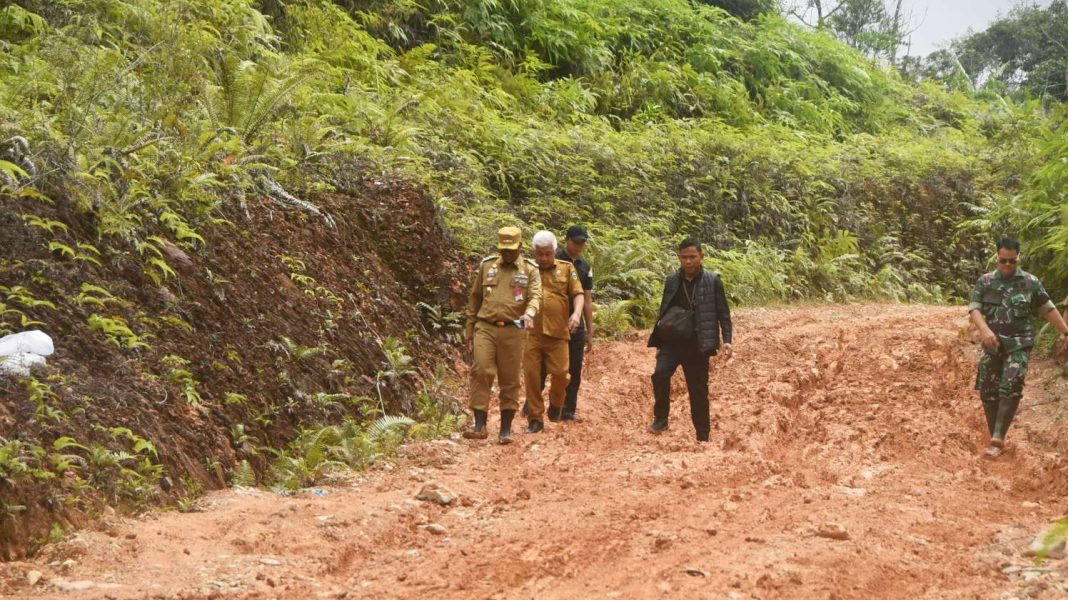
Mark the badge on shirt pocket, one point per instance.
(490, 280)
(519, 285)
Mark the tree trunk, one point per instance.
(895, 33)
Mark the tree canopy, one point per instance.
(1025, 53)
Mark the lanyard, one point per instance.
(690, 296)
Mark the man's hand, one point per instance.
(728, 351)
(1060, 350)
(528, 321)
(990, 341)
(574, 322)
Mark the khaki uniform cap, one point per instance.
(509, 238)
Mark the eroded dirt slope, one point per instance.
(854, 422)
(277, 323)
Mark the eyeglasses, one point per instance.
(1008, 261)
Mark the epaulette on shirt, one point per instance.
(489, 258)
(531, 261)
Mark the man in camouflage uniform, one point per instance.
(505, 297)
(548, 340)
(1002, 307)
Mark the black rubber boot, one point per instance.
(1006, 412)
(991, 410)
(554, 413)
(535, 426)
(478, 432)
(506, 426)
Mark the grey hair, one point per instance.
(544, 238)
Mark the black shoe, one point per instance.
(702, 437)
(658, 426)
(535, 426)
(554, 413)
(570, 416)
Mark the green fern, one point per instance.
(243, 475)
(386, 425)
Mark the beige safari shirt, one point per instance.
(559, 284)
(502, 293)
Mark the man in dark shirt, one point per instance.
(690, 342)
(582, 339)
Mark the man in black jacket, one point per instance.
(689, 341)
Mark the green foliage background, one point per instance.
(810, 171)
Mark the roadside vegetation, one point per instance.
(138, 138)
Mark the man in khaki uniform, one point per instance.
(505, 298)
(548, 340)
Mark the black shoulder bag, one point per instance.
(679, 324)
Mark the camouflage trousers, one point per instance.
(1001, 375)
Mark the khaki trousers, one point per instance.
(554, 351)
(498, 352)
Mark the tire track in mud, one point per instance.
(856, 422)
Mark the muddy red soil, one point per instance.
(845, 462)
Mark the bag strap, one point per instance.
(690, 298)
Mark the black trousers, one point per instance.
(695, 368)
(576, 353)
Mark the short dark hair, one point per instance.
(690, 242)
(1008, 243)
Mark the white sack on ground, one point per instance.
(30, 342)
(20, 352)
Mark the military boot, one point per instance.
(1006, 412)
(535, 426)
(506, 426)
(991, 411)
(478, 432)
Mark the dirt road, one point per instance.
(845, 463)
